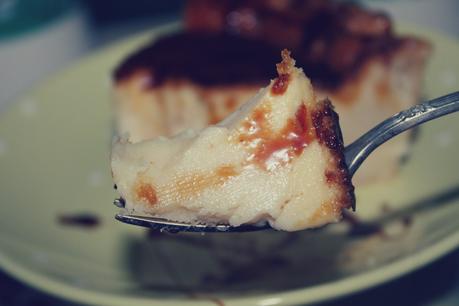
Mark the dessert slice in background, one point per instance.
(197, 77)
(278, 158)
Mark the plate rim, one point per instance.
(316, 293)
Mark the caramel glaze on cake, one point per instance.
(332, 43)
(206, 59)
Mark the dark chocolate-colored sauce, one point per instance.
(87, 220)
(205, 59)
(333, 43)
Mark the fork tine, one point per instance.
(164, 225)
(120, 202)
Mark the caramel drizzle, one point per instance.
(271, 150)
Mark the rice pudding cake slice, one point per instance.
(278, 158)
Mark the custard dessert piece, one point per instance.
(278, 158)
(352, 56)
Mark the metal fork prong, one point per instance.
(358, 151)
(120, 202)
(164, 225)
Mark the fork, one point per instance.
(354, 154)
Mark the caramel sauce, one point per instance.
(271, 150)
(225, 172)
(206, 59)
(146, 192)
(280, 84)
(331, 177)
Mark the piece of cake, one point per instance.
(197, 77)
(278, 158)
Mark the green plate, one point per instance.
(54, 160)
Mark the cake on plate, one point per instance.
(277, 158)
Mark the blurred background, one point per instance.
(40, 37)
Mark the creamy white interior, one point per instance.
(183, 170)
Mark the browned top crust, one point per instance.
(326, 123)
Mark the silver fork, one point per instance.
(354, 154)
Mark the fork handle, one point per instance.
(358, 151)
